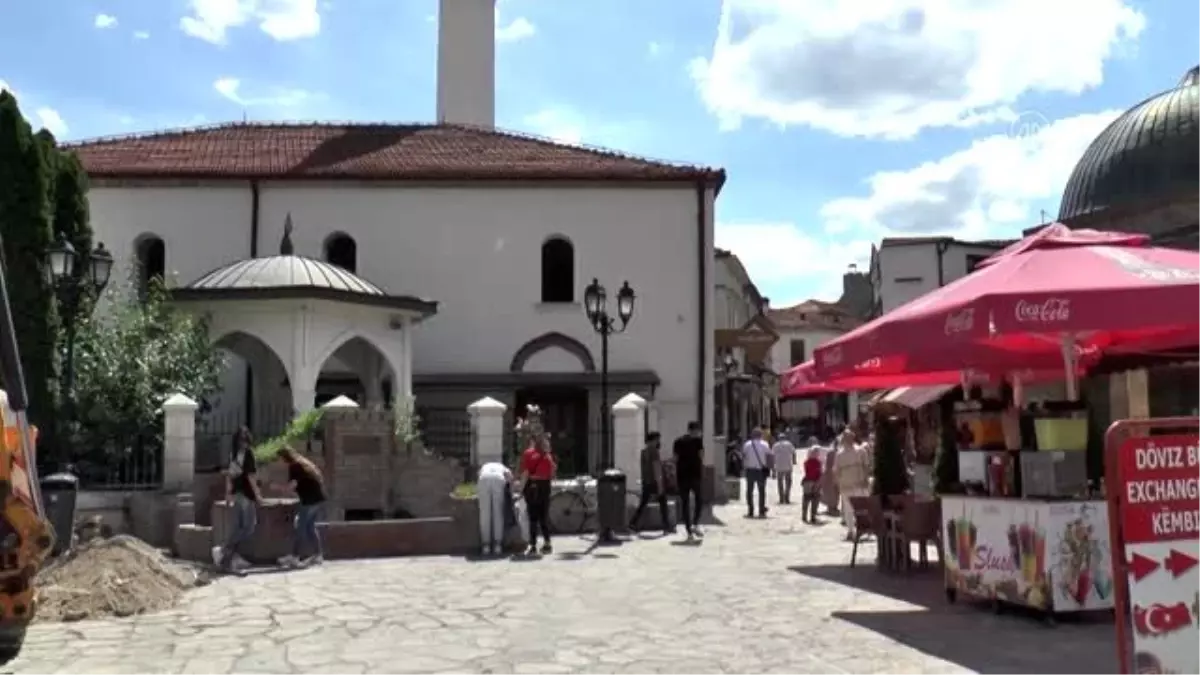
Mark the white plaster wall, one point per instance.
(920, 261)
(781, 352)
(475, 250)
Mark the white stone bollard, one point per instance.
(487, 431)
(629, 435)
(179, 442)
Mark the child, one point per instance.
(811, 485)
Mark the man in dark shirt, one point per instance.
(241, 491)
(653, 485)
(689, 471)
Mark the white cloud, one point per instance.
(278, 97)
(989, 189)
(558, 123)
(782, 258)
(892, 69)
(516, 30)
(656, 48)
(283, 20)
(141, 35)
(49, 119)
(43, 117)
(105, 21)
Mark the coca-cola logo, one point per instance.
(832, 356)
(1051, 310)
(962, 321)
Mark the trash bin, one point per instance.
(59, 493)
(610, 502)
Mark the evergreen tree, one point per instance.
(25, 225)
(890, 472)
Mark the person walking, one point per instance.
(688, 451)
(852, 473)
(654, 484)
(810, 486)
(492, 487)
(309, 486)
(537, 470)
(756, 458)
(241, 493)
(785, 460)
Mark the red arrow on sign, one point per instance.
(1178, 562)
(1140, 566)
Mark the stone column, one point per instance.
(629, 431)
(179, 442)
(487, 431)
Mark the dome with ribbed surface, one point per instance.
(284, 271)
(1147, 154)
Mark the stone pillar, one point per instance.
(179, 442)
(629, 435)
(487, 431)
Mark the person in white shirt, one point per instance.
(492, 489)
(757, 461)
(785, 462)
(852, 473)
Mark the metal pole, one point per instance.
(605, 413)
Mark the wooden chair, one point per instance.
(921, 523)
(868, 520)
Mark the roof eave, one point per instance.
(423, 308)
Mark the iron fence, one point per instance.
(446, 431)
(216, 430)
(133, 464)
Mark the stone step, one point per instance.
(194, 542)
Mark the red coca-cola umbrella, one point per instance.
(802, 380)
(1075, 292)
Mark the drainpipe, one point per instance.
(255, 198)
(702, 336)
(942, 247)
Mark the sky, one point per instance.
(839, 123)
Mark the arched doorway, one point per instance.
(255, 393)
(359, 371)
(564, 406)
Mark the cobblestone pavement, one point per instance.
(769, 595)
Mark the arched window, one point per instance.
(151, 255)
(342, 250)
(558, 270)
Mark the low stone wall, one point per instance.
(149, 515)
(343, 540)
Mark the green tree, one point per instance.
(890, 473)
(26, 227)
(128, 360)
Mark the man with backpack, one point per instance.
(758, 462)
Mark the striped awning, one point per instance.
(917, 397)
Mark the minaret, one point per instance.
(466, 62)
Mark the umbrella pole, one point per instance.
(1071, 362)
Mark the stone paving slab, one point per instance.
(767, 596)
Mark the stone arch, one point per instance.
(549, 340)
(345, 338)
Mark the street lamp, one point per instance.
(595, 303)
(731, 365)
(70, 282)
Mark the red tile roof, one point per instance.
(814, 314)
(366, 152)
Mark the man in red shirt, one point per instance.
(537, 470)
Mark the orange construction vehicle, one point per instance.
(26, 537)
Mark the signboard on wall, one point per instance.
(1158, 505)
(756, 338)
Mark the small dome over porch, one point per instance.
(305, 330)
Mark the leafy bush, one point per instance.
(128, 360)
(300, 429)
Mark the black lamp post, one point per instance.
(731, 365)
(70, 282)
(595, 303)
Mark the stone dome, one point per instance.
(1146, 155)
(283, 271)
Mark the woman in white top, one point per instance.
(852, 474)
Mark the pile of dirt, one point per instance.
(117, 576)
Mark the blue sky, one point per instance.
(839, 122)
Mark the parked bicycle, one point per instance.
(574, 508)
